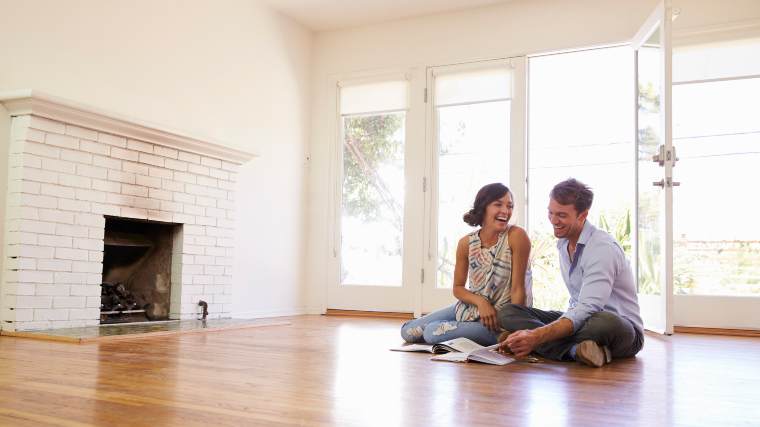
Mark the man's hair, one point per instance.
(573, 192)
(485, 196)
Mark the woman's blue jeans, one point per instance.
(441, 325)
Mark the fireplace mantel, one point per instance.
(36, 103)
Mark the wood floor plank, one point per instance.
(337, 370)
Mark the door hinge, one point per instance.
(425, 95)
(424, 184)
(422, 275)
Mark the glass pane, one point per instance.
(650, 208)
(473, 145)
(373, 199)
(716, 237)
(580, 126)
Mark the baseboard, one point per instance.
(359, 313)
(717, 331)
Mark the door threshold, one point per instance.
(362, 313)
(717, 331)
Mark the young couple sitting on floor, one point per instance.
(602, 321)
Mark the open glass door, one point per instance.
(654, 170)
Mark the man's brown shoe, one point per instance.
(592, 354)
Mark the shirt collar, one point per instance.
(588, 230)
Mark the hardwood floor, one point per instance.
(323, 370)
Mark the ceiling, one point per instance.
(326, 15)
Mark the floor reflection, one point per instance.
(364, 394)
(546, 402)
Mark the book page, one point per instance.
(427, 348)
(463, 345)
(451, 357)
(490, 355)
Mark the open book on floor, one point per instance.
(467, 350)
(460, 350)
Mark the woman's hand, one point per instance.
(488, 315)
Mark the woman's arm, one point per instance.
(485, 308)
(520, 245)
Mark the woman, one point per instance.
(496, 259)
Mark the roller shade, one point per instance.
(473, 86)
(717, 60)
(374, 97)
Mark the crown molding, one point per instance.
(36, 103)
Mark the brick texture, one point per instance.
(62, 182)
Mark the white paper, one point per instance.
(428, 348)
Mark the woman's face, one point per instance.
(498, 213)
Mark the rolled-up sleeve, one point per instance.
(599, 267)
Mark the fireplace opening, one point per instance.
(137, 270)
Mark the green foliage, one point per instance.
(549, 291)
(720, 267)
(621, 230)
(370, 142)
(649, 266)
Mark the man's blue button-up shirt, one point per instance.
(599, 278)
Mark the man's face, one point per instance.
(566, 221)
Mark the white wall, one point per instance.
(515, 28)
(232, 70)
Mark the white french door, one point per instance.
(375, 213)
(655, 158)
(716, 259)
(475, 136)
(698, 249)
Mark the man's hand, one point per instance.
(521, 343)
(488, 316)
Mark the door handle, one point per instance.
(666, 182)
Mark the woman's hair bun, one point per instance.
(471, 218)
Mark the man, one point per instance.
(602, 321)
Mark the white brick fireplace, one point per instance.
(69, 167)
